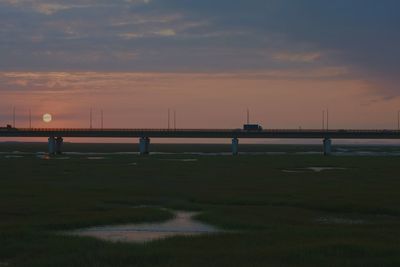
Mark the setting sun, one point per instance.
(47, 118)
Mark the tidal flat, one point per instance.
(347, 215)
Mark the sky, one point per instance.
(209, 60)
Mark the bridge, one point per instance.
(55, 135)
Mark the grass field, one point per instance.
(346, 217)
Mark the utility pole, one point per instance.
(398, 120)
(91, 118)
(327, 119)
(248, 116)
(14, 117)
(30, 119)
(102, 119)
(169, 118)
(174, 119)
(323, 120)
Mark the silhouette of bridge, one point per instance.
(55, 135)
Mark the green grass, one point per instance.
(273, 218)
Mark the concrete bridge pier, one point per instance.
(235, 146)
(327, 146)
(52, 145)
(59, 143)
(144, 145)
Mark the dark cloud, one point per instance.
(207, 35)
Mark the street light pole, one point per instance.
(169, 118)
(102, 119)
(14, 117)
(327, 119)
(30, 119)
(398, 120)
(174, 119)
(90, 118)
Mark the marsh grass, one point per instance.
(272, 218)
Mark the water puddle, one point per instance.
(334, 220)
(368, 153)
(230, 153)
(44, 156)
(95, 158)
(308, 153)
(314, 169)
(292, 171)
(182, 160)
(320, 169)
(73, 153)
(208, 153)
(48, 157)
(182, 225)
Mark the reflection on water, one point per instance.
(43, 156)
(338, 151)
(13, 157)
(314, 169)
(334, 220)
(62, 158)
(293, 171)
(320, 169)
(182, 225)
(182, 160)
(100, 153)
(367, 153)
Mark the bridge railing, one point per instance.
(198, 130)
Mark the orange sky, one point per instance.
(141, 100)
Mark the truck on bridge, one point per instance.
(252, 127)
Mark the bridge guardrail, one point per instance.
(202, 130)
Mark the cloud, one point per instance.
(165, 32)
(203, 36)
(48, 7)
(297, 57)
(130, 35)
(75, 82)
(134, 35)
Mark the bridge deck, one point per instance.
(200, 133)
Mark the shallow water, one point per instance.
(43, 156)
(314, 169)
(182, 225)
(320, 169)
(100, 153)
(182, 160)
(334, 220)
(339, 151)
(367, 153)
(95, 158)
(292, 171)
